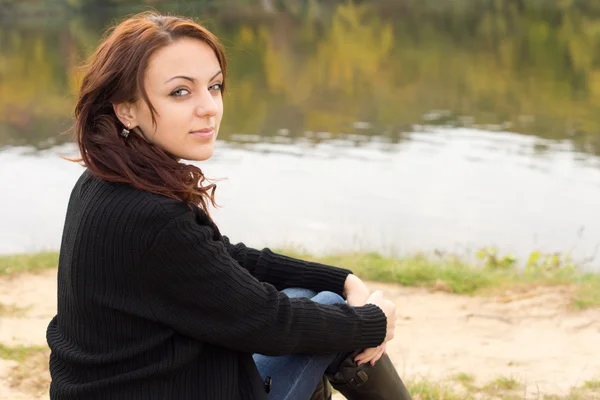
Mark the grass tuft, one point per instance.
(19, 353)
(30, 375)
(468, 381)
(501, 384)
(588, 291)
(595, 385)
(488, 271)
(428, 390)
(22, 263)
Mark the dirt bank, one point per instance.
(532, 337)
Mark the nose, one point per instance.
(207, 105)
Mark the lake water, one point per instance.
(396, 128)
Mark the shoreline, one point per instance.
(487, 272)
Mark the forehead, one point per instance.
(188, 57)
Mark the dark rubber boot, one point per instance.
(379, 382)
(323, 390)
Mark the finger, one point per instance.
(373, 360)
(363, 357)
(359, 356)
(359, 359)
(377, 357)
(367, 355)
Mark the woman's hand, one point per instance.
(371, 355)
(389, 309)
(357, 294)
(355, 291)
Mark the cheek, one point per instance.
(220, 112)
(168, 119)
(174, 114)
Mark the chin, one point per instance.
(197, 152)
(202, 155)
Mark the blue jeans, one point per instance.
(295, 376)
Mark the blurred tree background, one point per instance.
(525, 66)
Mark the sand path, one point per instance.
(533, 337)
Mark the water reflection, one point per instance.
(391, 126)
(527, 67)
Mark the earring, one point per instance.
(125, 131)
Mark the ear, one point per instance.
(126, 112)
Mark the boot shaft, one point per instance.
(367, 382)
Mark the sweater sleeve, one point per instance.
(284, 272)
(192, 284)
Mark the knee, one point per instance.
(299, 292)
(328, 298)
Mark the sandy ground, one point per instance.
(533, 336)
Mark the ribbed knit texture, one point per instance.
(153, 303)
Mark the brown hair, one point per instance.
(115, 74)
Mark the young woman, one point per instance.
(153, 302)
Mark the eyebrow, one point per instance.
(192, 79)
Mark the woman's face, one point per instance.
(183, 82)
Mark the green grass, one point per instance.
(505, 388)
(486, 271)
(20, 353)
(418, 270)
(33, 263)
(428, 390)
(464, 378)
(588, 291)
(595, 385)
(574, 394)
(30, 375)
(461, 276)
(468, 381)
(502, 384)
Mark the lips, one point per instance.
(203, 133)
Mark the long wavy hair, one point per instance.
(115, 74)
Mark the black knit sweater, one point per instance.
(153, 303)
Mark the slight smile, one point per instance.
(203, 133)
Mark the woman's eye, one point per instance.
(179, 92)
(217, 87)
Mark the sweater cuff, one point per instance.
(374, 328)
